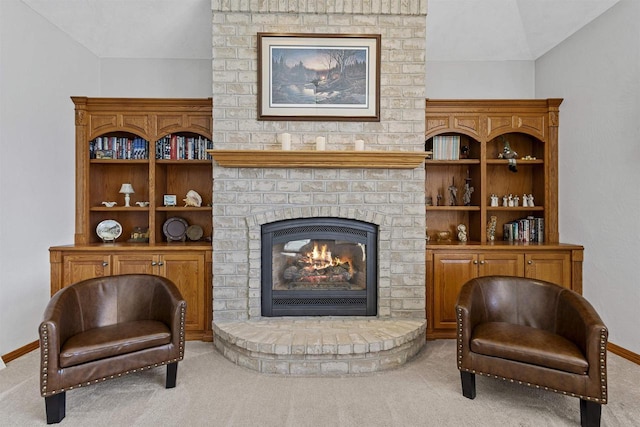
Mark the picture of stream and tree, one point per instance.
(331, 76)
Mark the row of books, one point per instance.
(529, 229)
(112, 147)
(177, 147)
(446, 147)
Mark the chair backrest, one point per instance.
(105, 301)
(519, 300)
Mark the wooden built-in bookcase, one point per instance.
(101, 168)
(531, 128)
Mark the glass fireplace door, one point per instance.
(319, 266)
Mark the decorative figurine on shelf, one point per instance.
(491, 228)
(428, 201)
(142, 204)
(443, 236)
(494, 200)
(509, 154)
(109, 204)
(516, 201)
(464, 152)
(462, 232)
(139, 235)
(531, 204)
(510, 200)
(505, 201)
(192, 199)
(453, 193)
(439, 199)
(468, 190)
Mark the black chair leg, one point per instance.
(590, 413)
(55, 407)
(468, 384)
(172, 372)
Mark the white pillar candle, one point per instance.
(320, 143)
(359, 145)
(286, 141)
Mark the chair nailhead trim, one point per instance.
(45, 349)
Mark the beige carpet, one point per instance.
(211, 391)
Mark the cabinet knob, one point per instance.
(105, 263)
(529, 262)
(475, 261)
(482, 262)
(153, 263)
(161, 263)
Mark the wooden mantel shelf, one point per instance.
(318, 159)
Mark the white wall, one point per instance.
(480, 79)
(40, 68)
(597, 72)
(156, 78)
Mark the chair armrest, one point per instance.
(578, 321)
(470, 311)
(169, 307)
(60, 321)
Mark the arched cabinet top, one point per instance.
(148, 118)
(484, 120)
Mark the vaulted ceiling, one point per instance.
(457, 30)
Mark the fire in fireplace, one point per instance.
(319, 267)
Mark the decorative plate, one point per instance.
(194, 232)
(175, 229)
(109, 230)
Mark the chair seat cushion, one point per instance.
(113, 340)
(528, 345)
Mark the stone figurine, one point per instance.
(462, 232)
(466, 197)
(453, 194)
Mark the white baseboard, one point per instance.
(2, 365)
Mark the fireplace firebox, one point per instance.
(319, 267)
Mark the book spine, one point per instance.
(173, 148)
(541, 230)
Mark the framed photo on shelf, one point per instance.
(319, 77)
(170, 200)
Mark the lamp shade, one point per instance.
(126, 189)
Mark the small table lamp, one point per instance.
(126, 189)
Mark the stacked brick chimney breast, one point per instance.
(246, 198)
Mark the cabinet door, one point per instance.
(135, 263)
(450, 272)
(187, 271)
(81, 267)
(553, 267)
(503, 264)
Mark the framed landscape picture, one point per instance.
(324, 77)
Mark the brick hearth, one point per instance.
(320, 346)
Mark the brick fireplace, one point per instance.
(389, 198)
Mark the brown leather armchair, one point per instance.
(534, 333)
(107, 327)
